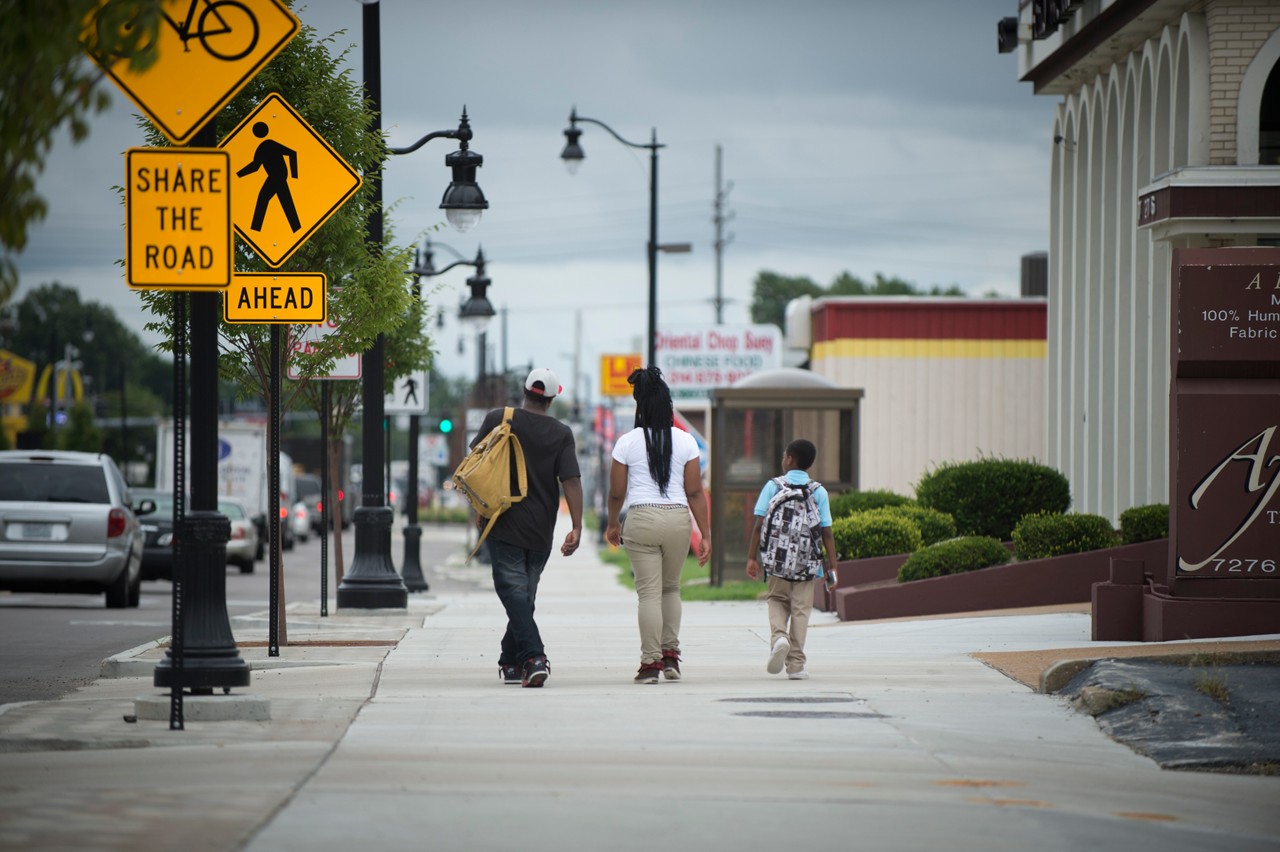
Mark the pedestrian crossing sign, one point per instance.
(409, 396)
(286, 180)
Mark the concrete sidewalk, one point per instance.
(901, 740)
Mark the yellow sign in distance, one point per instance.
(287, 181)
(177, 204)
(275, 298)
(614, 371)
(206, 50)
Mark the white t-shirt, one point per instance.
(641, 488)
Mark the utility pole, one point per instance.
(722, 193)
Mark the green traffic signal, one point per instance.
(446, 425)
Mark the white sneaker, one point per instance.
(800, 675)
(777, 656)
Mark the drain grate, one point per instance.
(798, 699)
(808, 714)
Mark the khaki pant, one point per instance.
(657, 541)
(791, 601)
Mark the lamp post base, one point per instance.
(209, 654)
(411, 570)
(372, 581)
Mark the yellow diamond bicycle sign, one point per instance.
(287, 181)
(206, 50)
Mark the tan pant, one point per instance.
(657, 542)
(790, 601)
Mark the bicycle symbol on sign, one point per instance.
(226, 29)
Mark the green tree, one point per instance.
(46, 83)
(80, 432)
(772, 292)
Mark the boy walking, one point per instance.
(792, 540)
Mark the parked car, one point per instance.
(308, 486)
(67, 524)
(157, 532)
(242, 547)
(300, 521)
(157, 527)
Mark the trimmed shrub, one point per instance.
(1144, 523)
(988, 497)
(866, 534)
(934, 526)
(844, 505)
(957, 556)
(1044, 535)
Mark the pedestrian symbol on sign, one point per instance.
(271, 157)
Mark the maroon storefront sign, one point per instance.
(1225, 417)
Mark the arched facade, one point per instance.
(1180, 108)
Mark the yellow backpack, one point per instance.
(493, 476)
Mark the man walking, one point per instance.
(521, 539)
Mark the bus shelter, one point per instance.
(751, 424)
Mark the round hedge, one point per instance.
(988, 497)
(955, 556)
(1144, 523)
(934, 526)
(843, 505)
(863, 535)
(1044, 535)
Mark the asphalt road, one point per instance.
(52, 644)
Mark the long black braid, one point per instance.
(655, 414)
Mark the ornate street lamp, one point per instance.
(411, 570)
(372, 582)
(573, 157)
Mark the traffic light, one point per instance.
(446, 424)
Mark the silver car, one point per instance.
(67, 525)
(242, 547)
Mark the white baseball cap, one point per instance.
(550, 385)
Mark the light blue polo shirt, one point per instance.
(796, 477)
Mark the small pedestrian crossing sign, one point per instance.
(410, 396)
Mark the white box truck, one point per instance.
(241, 473)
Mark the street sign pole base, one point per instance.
(372, 581)
(414, 580)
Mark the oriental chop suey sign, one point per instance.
(1224, 517)
(698, 358)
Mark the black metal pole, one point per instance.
(372, 582)
(177, 572)
(653, 250)
(411, 569)
(325, 405)
(273, 466)
(209, 655)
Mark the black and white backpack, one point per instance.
(791, 533)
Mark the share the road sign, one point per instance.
(177, 218)
(287, 180)
(205, 53)
(275, 297)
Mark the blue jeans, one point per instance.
(516, 572)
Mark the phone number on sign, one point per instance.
(1243, 566)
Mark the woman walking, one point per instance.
(655, 474)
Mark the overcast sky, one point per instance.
(858, 135)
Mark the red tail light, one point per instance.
(237, 532)
(116, 522)
(341, 496)
(319, 506)
(284, 513)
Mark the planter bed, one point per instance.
(1036, 582)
